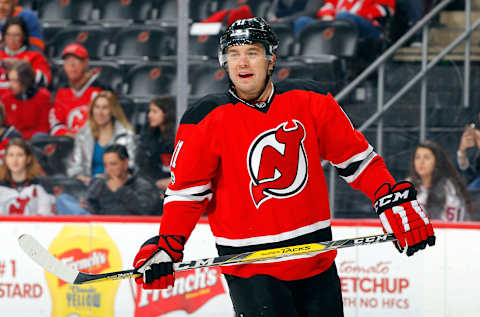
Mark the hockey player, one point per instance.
(251, 158)
(70, 109)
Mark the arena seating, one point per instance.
(111, 73)
(167, 12)
(207, 77)
(286, 36)
(93, 38)
(122, 12)
(52, 152)
(203, 47)
(337, 37)
(65, 12)
(146, 80)
(133, 43)
(141, 42)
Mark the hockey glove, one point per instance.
(402, 215)
(155, 261)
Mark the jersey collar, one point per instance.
(261, 106)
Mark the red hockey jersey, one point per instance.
(39, 64)
(371, 10)
(258, 174)
(70, 109)
(28, 116)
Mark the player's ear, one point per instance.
(274, 60)
(272, 63)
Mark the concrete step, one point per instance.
(457, 18)
(476, 4)
(414, 54)
(443, 36)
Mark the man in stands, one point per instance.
(121, 193)
(70, 109)
(368, 15)
(8, 8)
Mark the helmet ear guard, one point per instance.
(248, 31)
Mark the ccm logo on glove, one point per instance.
(397, 197)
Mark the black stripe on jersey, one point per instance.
(316, 236)
(299, 84)
(201, 108)
(349, 170)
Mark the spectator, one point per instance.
(469, 151)
(296, 12)
(8, 8)
(26, 105)
(228, 16)
(70, 109)
(16, 46)
(441, 191)
(156, 142)
(20, 190)
(6, 133)
(116, 193)
(368, 15)
(107, 124)
(120, 192)
(415, 10)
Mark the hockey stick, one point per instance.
(46, 260)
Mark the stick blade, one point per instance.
(47, 261)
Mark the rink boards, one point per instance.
(376, 280)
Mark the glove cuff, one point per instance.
(400, 193)
(152, 240)
(173, 245)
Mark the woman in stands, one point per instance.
(157, 141)
(26, 104)
(16, 47)
(107, 124)
(20, 190)
(441, 190)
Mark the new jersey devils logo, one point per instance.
(277, 163)
(77, 118)
(17, 207)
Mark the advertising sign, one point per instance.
(376, 280)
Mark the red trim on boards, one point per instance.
(88, 219)
(367, 222)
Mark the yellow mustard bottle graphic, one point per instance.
(87, 249)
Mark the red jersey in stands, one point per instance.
(28, 114)
(369, 9)
(4, 83)
(257, 172)
(43, 73)
(70, 109)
